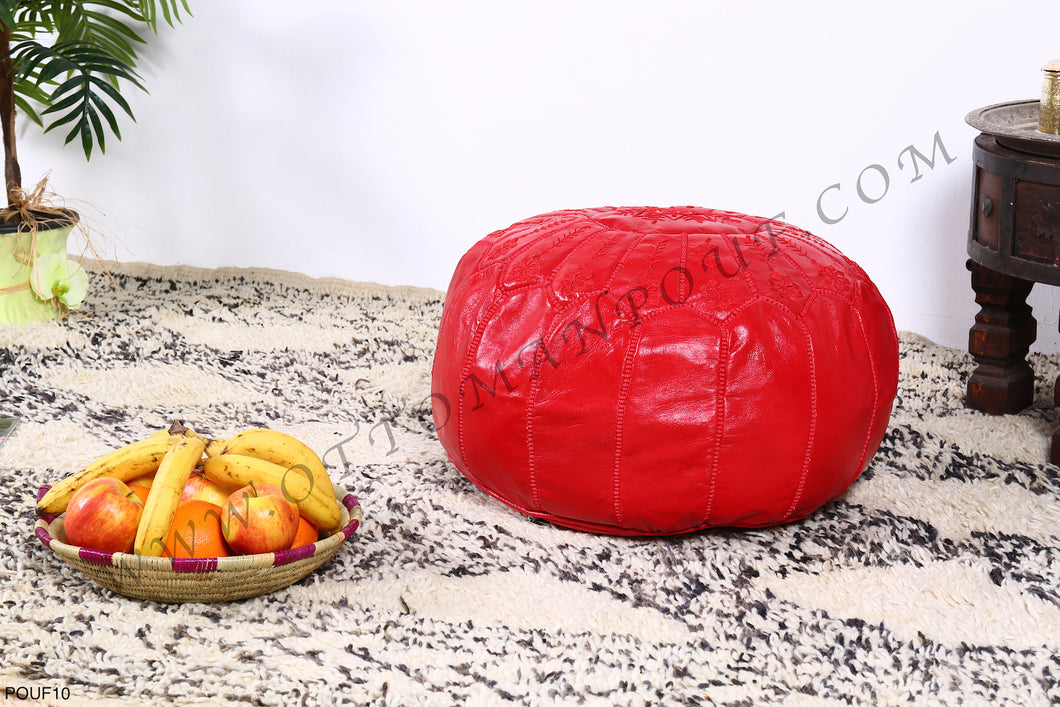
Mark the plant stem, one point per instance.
(12, 172)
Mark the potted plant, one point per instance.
(64, 64)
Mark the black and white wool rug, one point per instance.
(934, 580)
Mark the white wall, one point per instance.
(378, 140)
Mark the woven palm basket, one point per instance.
(212, 579)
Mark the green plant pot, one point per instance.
(20, 252)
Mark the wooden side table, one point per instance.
(1013, 242)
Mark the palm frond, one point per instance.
(27, 97)
(76, 81)
(171, 12)
(100, 22)
(84, 96)
(7, 12)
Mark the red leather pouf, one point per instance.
(646, 371)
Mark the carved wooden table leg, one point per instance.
(1003, 333)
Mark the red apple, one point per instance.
(258, 518)
(103, 515)
(199, 488)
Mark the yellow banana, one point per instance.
(173, 474)
(287, 451)
(297, 484)
(215, 446)
(125, 463)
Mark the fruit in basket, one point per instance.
(161, 473)
(215, 446)
(286, 451)
(307, 533)
(141, 492)
(258, 518)
(125, 463)
(162, 501)
(103, 515)
(196, 532)
(199, 488)
(144, 481)
(298, 482)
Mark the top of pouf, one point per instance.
(661, 370)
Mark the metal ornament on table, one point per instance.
(1049, 118)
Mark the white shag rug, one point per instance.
(934, 580)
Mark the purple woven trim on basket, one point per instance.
(194, 564)
(351, 527)
(96, 557)
(286, 557)
(40, 494)
(349, 500)
(45, 537)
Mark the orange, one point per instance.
(141, 491)
(307, 534)
(196, 532)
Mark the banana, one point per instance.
(290, 453)
(125, 463)
(157, 515)
(298, 485)
(215, 446)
